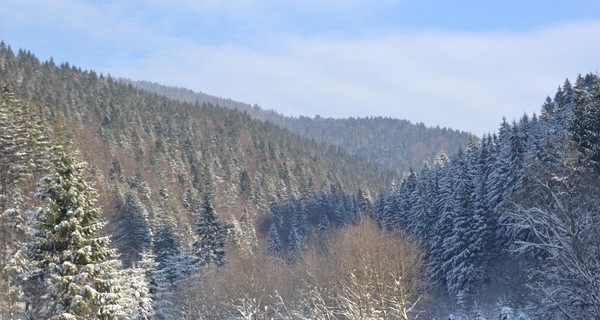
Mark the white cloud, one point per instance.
(463, 80)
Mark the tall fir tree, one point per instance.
(75, 264)
(211, 234)
(133, 235)
(584, 127)
(247, 238)
(23, 157)
(137, 297)
(13, 168)
(166, 248)
(275, 246)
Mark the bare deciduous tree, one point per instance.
(358, 272)
(560, 222)
(363, 272)
(248, 287)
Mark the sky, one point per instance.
(462, 64)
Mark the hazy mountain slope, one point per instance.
(392, 143)
(154, 158)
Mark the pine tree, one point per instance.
(365, 202)
(21, 163)
(137, 297)
(422, 217)
(497, 181)
(211, 236)
(248, 238)
(441, 230)
(76, 265)
(294, 244)
(13, 170)
(275, 246)
(585, 126)
(390, 209)
(324, 224)
(133, 234)
(467, 242)
(563, 110)
(159, 294)
(167, 250)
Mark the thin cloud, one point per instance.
(464, 80)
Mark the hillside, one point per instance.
(391, 143)
(157, 157)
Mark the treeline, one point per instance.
(392, 144)
(294, 221)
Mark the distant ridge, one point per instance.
(393, 144)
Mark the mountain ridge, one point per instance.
(393, 144)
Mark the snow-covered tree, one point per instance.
(159, 289)
(211, 234)
(74, 263)
(12, 170)
(294, 244)
(585, 126)
(133, 234)
(561, 223)
(172, 264)
(247, 238)
(390, 209)
(23, 148)
(137, 298)
(365, 202)
(275, 246)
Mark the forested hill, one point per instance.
(391, 143)
(153, 158)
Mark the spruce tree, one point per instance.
(23, 155)
(76, 266)
(211, 236)
(166, 248)
(13, 168)
(247, 238)
(294, 244)
(365, 202)
(585, 125)
(275, 246)
(133, 234)
(137, 297)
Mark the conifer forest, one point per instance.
(124, 199)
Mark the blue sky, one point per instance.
(462, 64)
